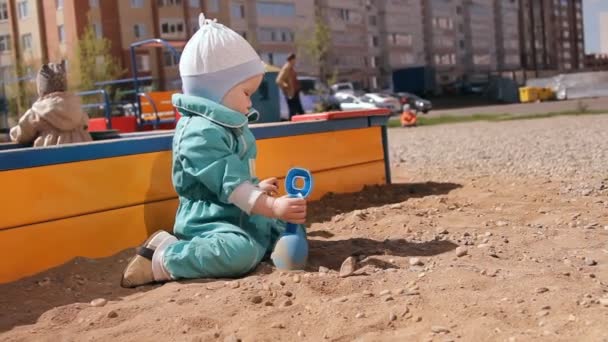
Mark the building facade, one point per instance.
(551, 35)
(462, 40)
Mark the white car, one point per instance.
(344, 87)
(351, 102)
(383, 101)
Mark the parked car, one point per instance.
(352, 102)
(314, 95)
(415, 102)
(383, 101)
(344, 87)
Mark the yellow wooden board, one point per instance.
(64, 190)
(57, 191)
(31, 249)
(321, 151)
(34, 248)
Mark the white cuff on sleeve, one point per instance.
(245, 196)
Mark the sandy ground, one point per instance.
(467, 256)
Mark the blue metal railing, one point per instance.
(107, 106)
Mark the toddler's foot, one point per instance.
(139, 269)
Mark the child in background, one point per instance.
(56, 117)
(227, 222)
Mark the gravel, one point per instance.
(571, 147)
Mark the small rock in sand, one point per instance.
(348, 267)
(360, 315)
(296, 278)
(232, 338)
(590, 262)
(461, 251)
(437, 329)
(256, 299)
(416, 262)
(392, 317)
(112, 314)
(99, 302)
(323, 269)
(542, 290)
(277, 325)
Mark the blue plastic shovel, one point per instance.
(291, 250)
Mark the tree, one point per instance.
(318, 47)
(94, 62)
(21, 91)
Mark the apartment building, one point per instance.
(401, 35)
(275, 28)
(21, 37)
(443, 29)
(463, 40)
(507, 35)
(551, 35)
(477, 33)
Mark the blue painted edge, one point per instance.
(12, 158)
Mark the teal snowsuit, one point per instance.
(213, 153)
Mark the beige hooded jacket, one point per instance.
(54, 119)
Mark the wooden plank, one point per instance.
(65, 190)
(34, 248)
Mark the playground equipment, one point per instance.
(291, 250)
(149, 111)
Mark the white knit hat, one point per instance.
(216, 59)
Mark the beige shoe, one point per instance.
(139, 269)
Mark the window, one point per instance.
(172, 27)
(22, 9)
(270, 9)
(238, 10)
(274, 58)
(5, 43)
(26, 41)
(61, 33)
(98, 30)
(59, 4)
(137, 3)
(401, 39)
(344, 14)
(194, 3)
(170, 59)
(481, 59)
(373, 40)
(139, 30)
(3, 11)
(407, 58)
(93, 3)
(373, 20)
(213, 5)
(267, 34)
(143, 62)
(162, 3)
(376, 61)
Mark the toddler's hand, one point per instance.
(290, 209)
(270, 186)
